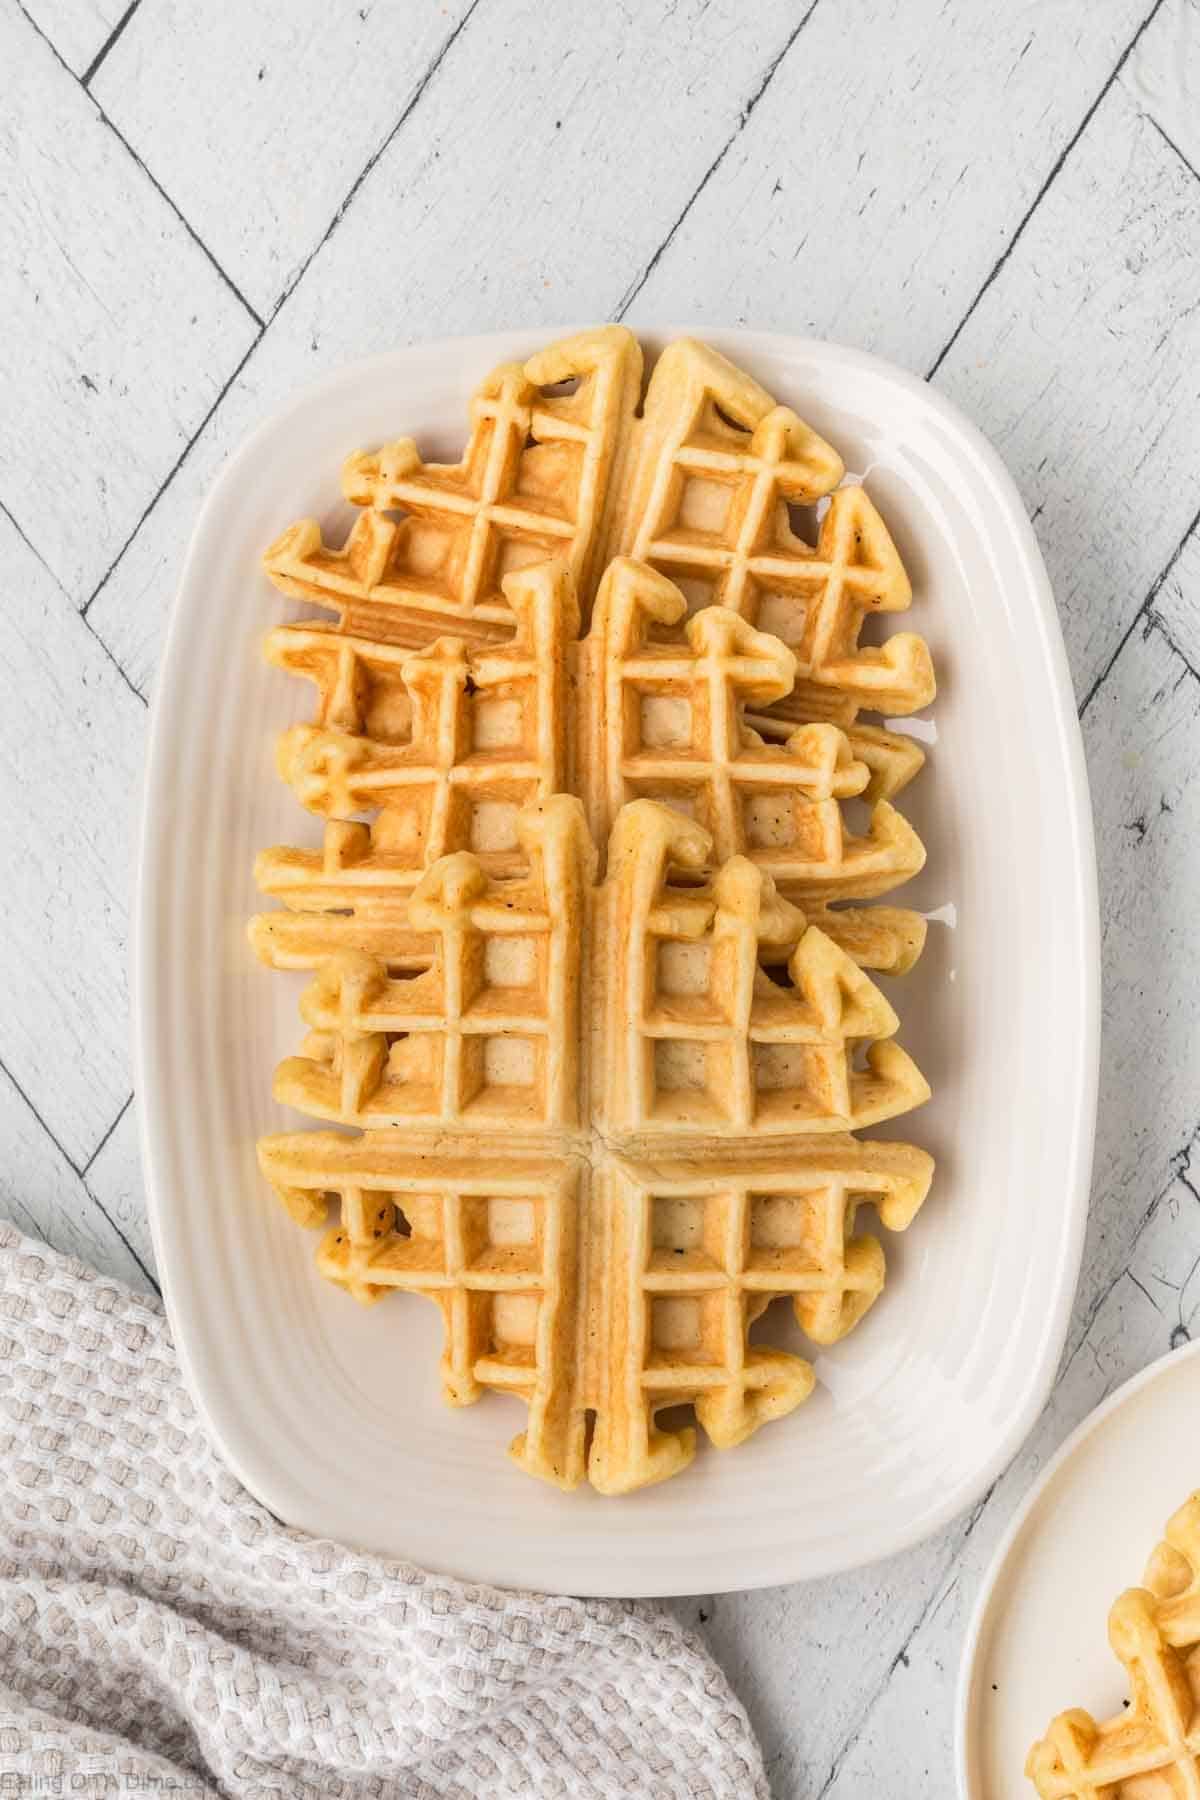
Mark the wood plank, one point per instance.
(76, 28)
(1142, 733)
(1177, 602)
(118, 331)
(294, 98)
(1084, 370)
(114, 1179)
(70, 744)
(43, 1196)
(804, 1659)
(524, 105)
(886, 169)
(1163, 75)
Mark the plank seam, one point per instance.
(340, 214)
(134, 689)
(78, 1172)
(635, 288)
(284, 297)
(1160, 625)
(92, 1195)
(1145, 611)
(934, 1600)
(67, 1158)
(80, 613)
(102, 54)
(1044, 189)
(125, 1106)
(156, 184)
(171, 474)
(33, 549)
(1172, 145)
(230, 283)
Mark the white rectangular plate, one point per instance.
(329, 1412)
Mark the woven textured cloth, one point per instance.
(159, 1628)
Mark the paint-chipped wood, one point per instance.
(887, 166)
(70, 748)
(835, 1641)
(1085, 372)
(1177, 603)
(43, 1196)
(114, 1179)
(1142, 733)
(118, 332)
(275, 90)
(78, 29)
(1164, 75)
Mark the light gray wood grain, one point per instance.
(1142, 733)
(42, 1194)
(1164, 75)
(809, 1660)
(1084, 369)
(114, 1179)
(78, 29)
(278, 93)
(70, 747)
(887, 167)
(1177, 603)
(118, 332)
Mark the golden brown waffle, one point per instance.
(525, 1251)
(889, 939)
(615, 1288)
(489, 1033)
(495, 1243)
(1152, 1748)
(667, 720)
(712, 471)
(693, 1254)
(447, 745)
(674, 1047)
(695, 1034)
(532, 486)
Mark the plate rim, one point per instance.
(1086, 1429)
(270, 1486)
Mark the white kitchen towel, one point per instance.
(160, 1629)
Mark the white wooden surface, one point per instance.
(202, 206)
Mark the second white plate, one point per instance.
(331, 1413)
(1038, 1642)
